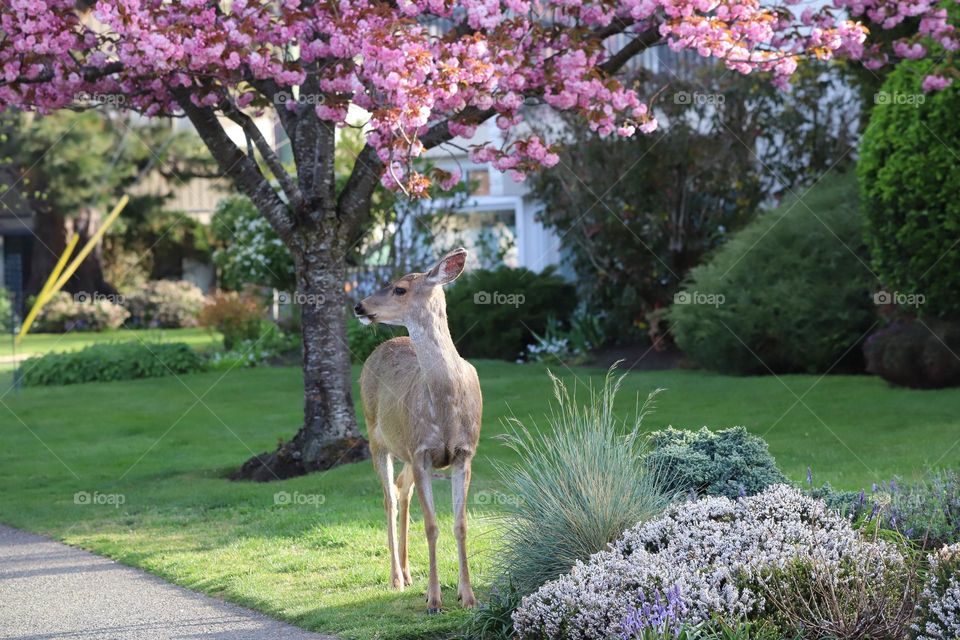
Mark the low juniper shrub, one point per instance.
(730, 462)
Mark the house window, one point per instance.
(479, 182)
(491, 236)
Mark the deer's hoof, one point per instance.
(432, 611)
(407, 580)
(397, 582)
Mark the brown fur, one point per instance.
(422, 404)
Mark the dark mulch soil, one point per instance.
(639, 357)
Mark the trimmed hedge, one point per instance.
(916, 353)
(109, 362)
(909, 186)
(790, 292)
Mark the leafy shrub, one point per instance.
(729, 462)
(363, 339)
(576, 488)
(80, 312)
(919, 353)
(714, 553)
(250, 251)
(237, 316)
(568, 345)
(6, 310)
(165, 303)
(494, 314)
(272, 343)
(909, 183)
(771, 299)
(939, 609)
(108, 362)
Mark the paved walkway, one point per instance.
(50, 590)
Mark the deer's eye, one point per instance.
(399, 291)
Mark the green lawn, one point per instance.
(321, 562)
(35, 343)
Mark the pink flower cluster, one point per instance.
(415, 65)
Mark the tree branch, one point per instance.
(241, 169)
(638, 45)
(290, 189)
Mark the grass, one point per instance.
(165, 445)
(36, 343)
(40, 343)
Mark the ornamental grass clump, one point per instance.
(714, 553)
(578, 485)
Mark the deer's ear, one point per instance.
(448, 269)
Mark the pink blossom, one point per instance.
(936, 83)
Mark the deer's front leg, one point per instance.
(383, 462)
(461, 485)
(423, 482)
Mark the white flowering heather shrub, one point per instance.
(711, 553)
(939, 611)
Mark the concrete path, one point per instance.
(50, 590)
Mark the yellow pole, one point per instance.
(74, 265)
(47, 286)
(87, 248)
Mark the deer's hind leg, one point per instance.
(461, 485)
(383, 462)
(404, 493)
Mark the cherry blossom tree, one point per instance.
(426, 71)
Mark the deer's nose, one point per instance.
(358, 309)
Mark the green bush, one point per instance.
(79, 312)
(494, 313)
(6, 310)
(363, 339)
(112, 361)
(909, 186)
(165, 303)
(576, 487)
(729, 462)
(788, 293)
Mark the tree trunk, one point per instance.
(329, 435)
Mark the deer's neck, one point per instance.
(436, 353)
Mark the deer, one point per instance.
(422, 405)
